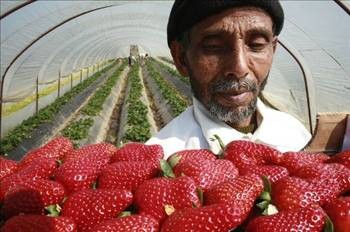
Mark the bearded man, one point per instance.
(226, 48)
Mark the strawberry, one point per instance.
(105, 148)
(31, 197)
(154, 196)
(192, 155)
(7, 167)
(81, 173)
(57, 148)
(327, 171)
(272, 172)
(293, 192)
(342, 158)
(303, 219)
(42, 168)
(244, 153)
(293, 161)
(143, 223)
(242, 188)
(138, 152)
(127, 175)
(207, 173)
(211, 218)
(90, 207)
(339, 212)
(35, 223)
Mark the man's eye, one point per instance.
(257, 46)
(213, 47)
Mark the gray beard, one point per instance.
(229, 115)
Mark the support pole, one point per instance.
(59, 84)
(37, 95)
(87, 76)
(71, 81)
(81, 75)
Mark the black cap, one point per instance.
(186, 13)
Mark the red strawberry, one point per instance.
(211, 218)
(243, 153)
(272, 172)
(7, 167)
(327, 171)
(339, 212)
(127, 175)
(35, 223)
(242, 188)
(31, 197)
(138, 152)
(57, 148)
(310, 219)
(154, 195)
(207, 173)
(135, 223)
(81, 173)
(194, 155)
(105, 148)
(342, 158)
(293, 192)
(293, 161)
(90, 207)
(42, 168)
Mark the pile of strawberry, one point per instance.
(101, 188)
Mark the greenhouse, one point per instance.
(101, 73)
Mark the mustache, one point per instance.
(232, 85)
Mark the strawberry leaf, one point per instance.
(200, 195)
(328, 225)
(53, 210)
(124, 214)
(262, 205)
(167, 170)
(174, 160)
(267, 184)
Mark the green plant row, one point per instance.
(177, 103)
(138, 129)
(166, 59)
(44, 115)
(172, 72)
(79, 129)
(95, 104)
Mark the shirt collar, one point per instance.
(212, 126)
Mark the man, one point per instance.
(226, 48)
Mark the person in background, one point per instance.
(226, 48)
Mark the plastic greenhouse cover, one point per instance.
(45, 39)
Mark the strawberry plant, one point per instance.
(177, 103)
(172, 71)
(79, 129)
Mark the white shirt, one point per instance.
(194, 128)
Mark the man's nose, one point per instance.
(237, 63)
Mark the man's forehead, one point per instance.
(230, 20)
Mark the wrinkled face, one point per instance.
(228, 59)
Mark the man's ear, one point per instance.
(179, 56)
(274, 43)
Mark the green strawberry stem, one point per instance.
(222, 145)
(328, 227)
(166, 168)
(53, 210)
